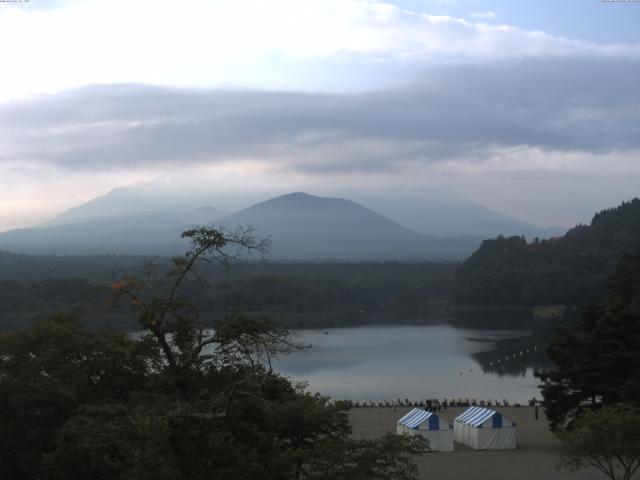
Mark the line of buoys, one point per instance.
(508, 357)
(511, 356)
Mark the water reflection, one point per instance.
(427, 361)
(510, 356)
(304, 367)
(513, 362)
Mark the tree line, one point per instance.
(300, 295)
(569, 270)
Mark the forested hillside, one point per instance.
(572, 269)
(300, 294)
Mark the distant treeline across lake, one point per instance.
(302, 295)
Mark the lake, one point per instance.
(414, 362)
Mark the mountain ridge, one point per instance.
(303, 227)
(433, 211)
(133, 200)
(308, 227)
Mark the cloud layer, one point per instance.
(286, 44)
(453, 113)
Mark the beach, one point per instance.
(535, 458)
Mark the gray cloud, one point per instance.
(589, 104)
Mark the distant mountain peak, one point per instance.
(307, 227)
(305, 200)
(139, 199)
(293, 195)
(299, 197)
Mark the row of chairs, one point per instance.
(431, 404)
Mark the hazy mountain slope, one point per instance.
(303, 226)
(433, 211)
(135, 235)
(139, 200)
(138, 219)
(441, 212)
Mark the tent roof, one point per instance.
(476, 416)
(415, 417)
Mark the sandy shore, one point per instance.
(535, 459)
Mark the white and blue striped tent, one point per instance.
(430, 426)
(485, 429)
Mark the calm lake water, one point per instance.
(427, 361)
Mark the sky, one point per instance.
(529, 108)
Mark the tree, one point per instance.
(174, 322)
(386, 458)
(607, 439)
(597, 360)
(243, 339)
(47, 375)
(177, 402)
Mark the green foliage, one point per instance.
(173, 403)
(570, 270)
(387, 458)
(48, 373)
(597, 361)
(242, 338)
(607, 439)
(392, 289)
(300, 295)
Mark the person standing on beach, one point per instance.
(535, 410)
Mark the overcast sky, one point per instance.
(529, 108)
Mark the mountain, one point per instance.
(139, 219)
(572, 269)
(157, 234)
(302, 227)
(306, 227)
(135, 235)
(431, 211)
(147, 218)
(141, 200)
(442, 212)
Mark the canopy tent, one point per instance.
(430, 426)
(484, 429)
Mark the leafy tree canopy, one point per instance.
(571, 270)
(176, 402)
(597, 361)
(607, 439)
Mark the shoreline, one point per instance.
(406, 403)
(536, 457)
